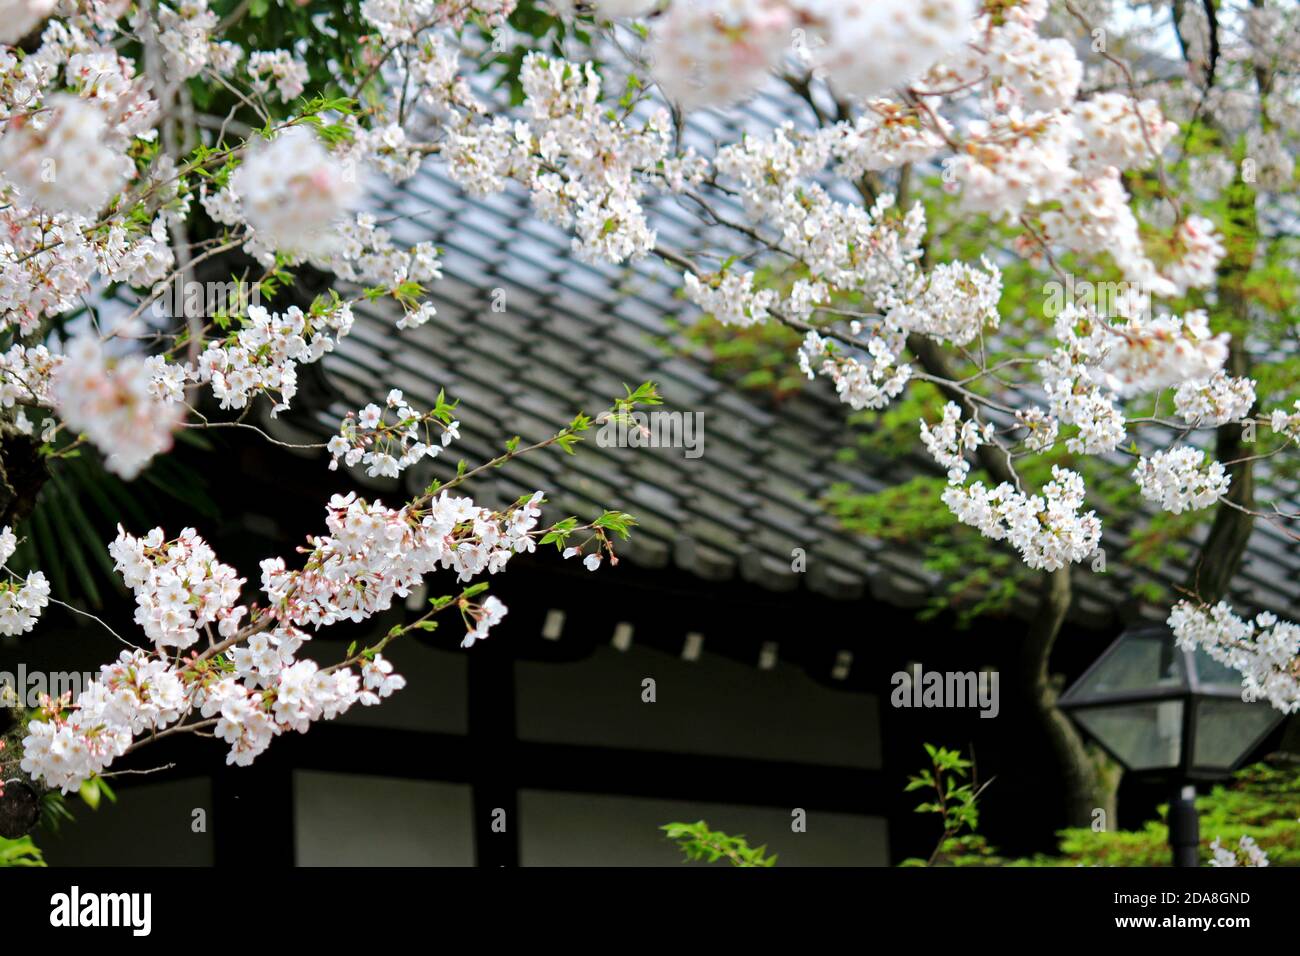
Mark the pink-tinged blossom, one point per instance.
(1246, 853)
(1114, 131)
(870, 46)
(374, 554)
(1146, 356)
(715, 52)
(1199, 250)
(277, 70)
(378, 679)
(132, 695)
(61, 159)
(20, 17)
(293, 192)
(485, 617)
(264, 355)
(1040, 73)
(180, 587)
(113, 402)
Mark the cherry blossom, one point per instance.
(869, 381)
(264, 355)
(1180, 479)
(714, 52)
(1048, 529)
(1246, 853)
(388, 447)
(1264, 650)
(292, 191)
(21, 603)
(61, 160)
(1219, 399)
(906, 38)
(948, 443)
(278, 70)
(179, 586)
(20, 17)
(1047, 151)
(112, 401)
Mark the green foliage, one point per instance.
(976, 577)
(616, 522)
(699, 843)
(20, 852)
(336, 37)
(92, 791)
(955, 800)
(757, 358)
(1262, 801)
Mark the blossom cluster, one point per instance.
(373, 554)
(95, 192)
(586, 167)
(251, 684)
(1180, 479)
(949, 440)
(1214, 401)
(868, 380)
(1246, 853)
(133, 694)
(1070, 380)
(139, 693)
(730, 297)
(386, 447)
(290, 191)
(1048, 530)
(112, 400)
(714, 52)
(1266, 651)
(1146, 356)
(278, 70)
(21, 602)
(180, 587)
(264, 355)
(61, 160)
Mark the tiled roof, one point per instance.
(572, 334)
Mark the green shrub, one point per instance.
(1262, 801)
(20, 852)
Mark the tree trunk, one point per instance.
(1091, 778)
(1221, 555)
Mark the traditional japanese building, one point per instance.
(735, 666)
